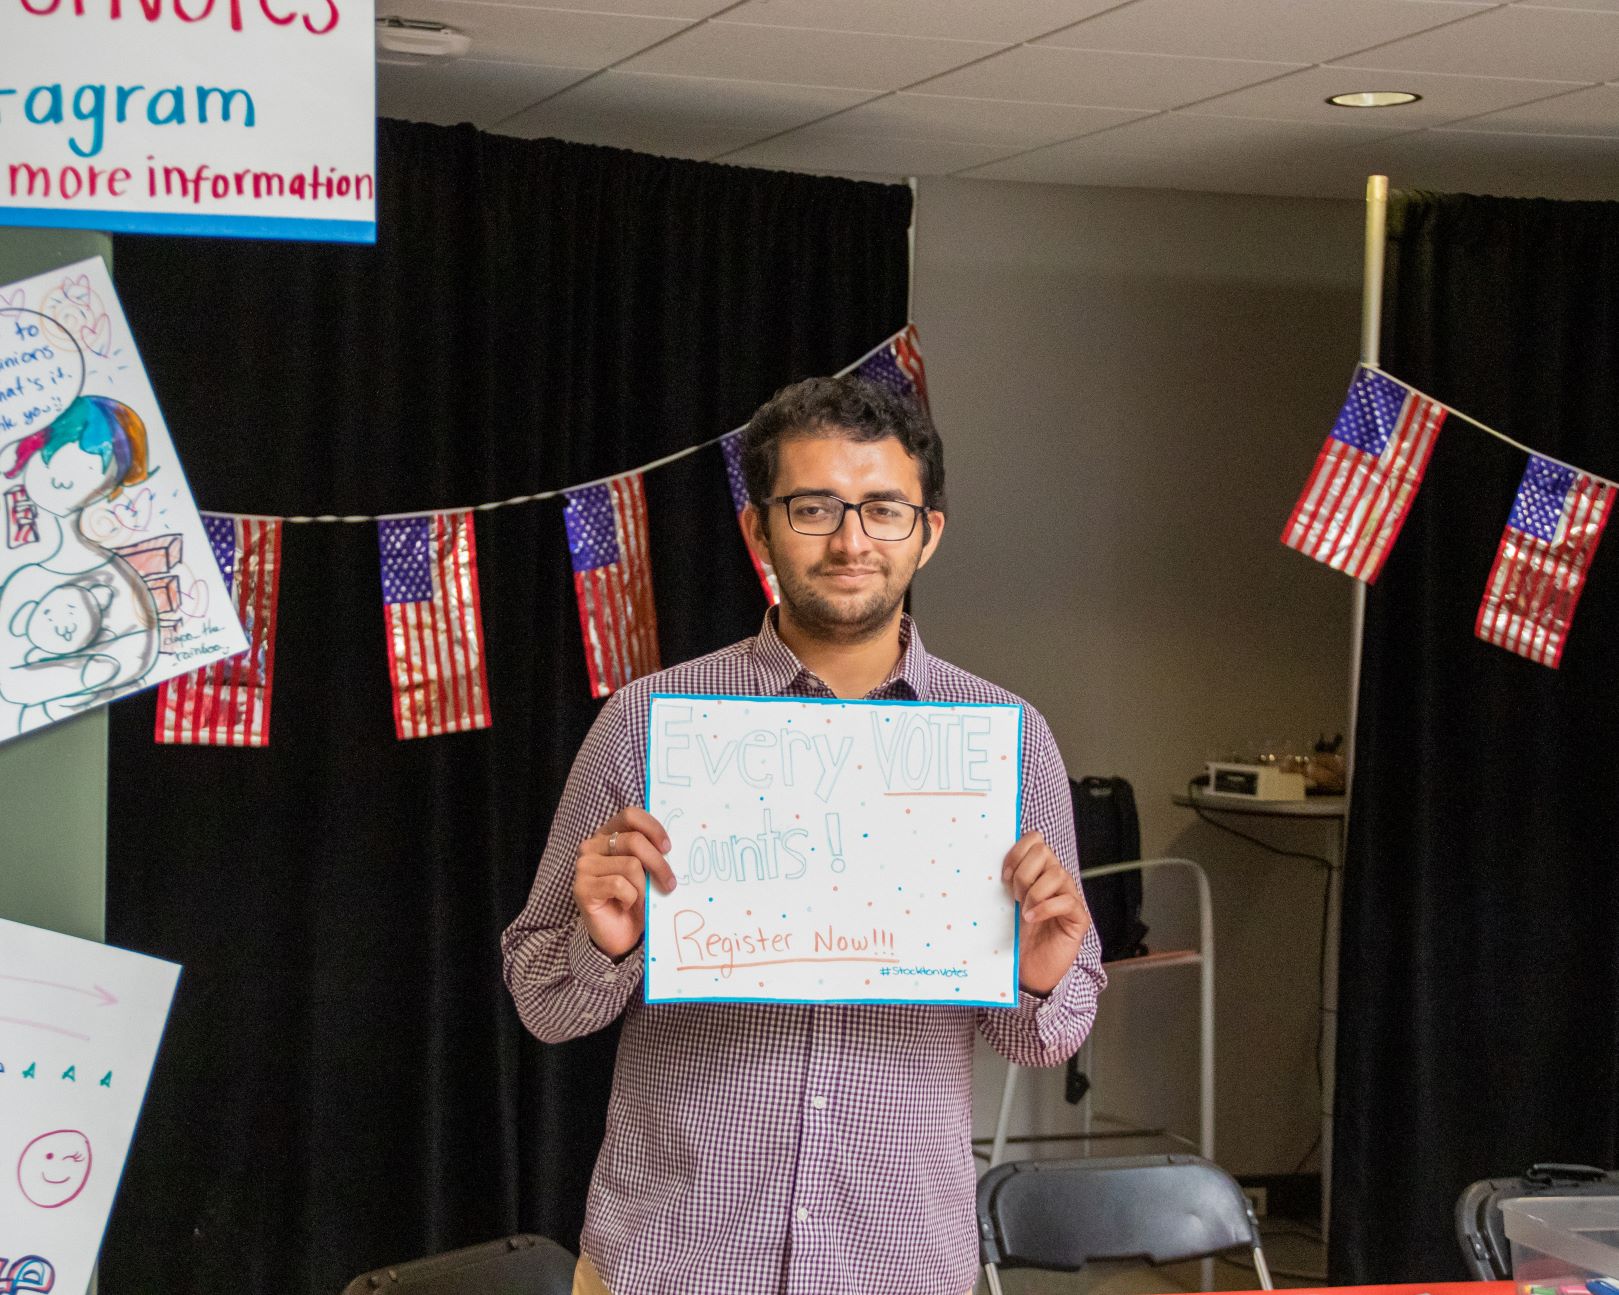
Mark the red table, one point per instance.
(1413, 1288)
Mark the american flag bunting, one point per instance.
(434, 620)
(897, 365)
(1550, 539)
(731, 445)
(227, 703)
(1367, 474)
(612, 578)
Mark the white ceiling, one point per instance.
(1518, 98)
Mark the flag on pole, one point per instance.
(612, 577)
(227, 703)
(731, 445)
(897, 365)
(1546, 549)
(435, 624)
(1366, 476)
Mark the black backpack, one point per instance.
(1108, 831)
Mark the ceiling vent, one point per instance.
(411, 41)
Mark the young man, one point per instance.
(786, 1149)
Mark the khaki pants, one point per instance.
(586, 1280)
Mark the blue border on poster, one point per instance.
(1017, 831)
(156, 222)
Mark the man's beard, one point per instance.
(846, 620)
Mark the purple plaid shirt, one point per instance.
(780, 1149)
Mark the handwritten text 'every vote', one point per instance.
(916, 754)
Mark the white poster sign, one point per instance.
(108, 583)
(833, 851)
(251, 118)
(79, 1029)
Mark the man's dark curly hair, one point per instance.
(847, 407)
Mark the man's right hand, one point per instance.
(609, 878)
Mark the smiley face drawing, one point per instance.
(54, 1168)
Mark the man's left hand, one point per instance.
(1053, 912)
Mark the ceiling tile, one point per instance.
(1220, 141)
(1514, 40)
(1546, 166)
(818, 148)
(1047, 74)
(1289, 31)
(1585, 112)
(1003, 22)
(615, 106)
(1124, 170)
(691, 10)
(977, 121)
(1608, 6)
(1303, 97)
(466, 90)
(794, 56)
(520, 34)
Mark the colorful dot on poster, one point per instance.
(975, 923)
(750, 912)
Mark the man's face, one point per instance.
(845, 586)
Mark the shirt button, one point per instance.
(818, 1102)
(801, 1214)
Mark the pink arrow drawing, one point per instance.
(106, 997)
(40, 1025)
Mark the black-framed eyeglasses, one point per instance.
(881, 519)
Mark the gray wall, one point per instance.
(53, 783)
(1132, 386)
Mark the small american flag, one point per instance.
(731, 444)
(612, 576)
(1366, 476)
(897, 365)
(227, 703)
(435, 624)
(1546, 549)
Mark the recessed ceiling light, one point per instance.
(1373, 99)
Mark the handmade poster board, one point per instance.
(833, 851)
(249, 118)
(79, 1029)
(108, 584)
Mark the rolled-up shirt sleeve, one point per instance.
(1046, 1031)
(562, 984)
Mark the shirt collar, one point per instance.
(779, 668)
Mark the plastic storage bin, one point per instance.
(1560, 1242)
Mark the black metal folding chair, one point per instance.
(1479, 1229)
(1063, 1214)
(518, 1265)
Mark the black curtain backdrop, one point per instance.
(1478, 1025)
(344, 1082)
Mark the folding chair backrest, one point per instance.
(1479, 1229)
(517, 1265)
(1063, 1214)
